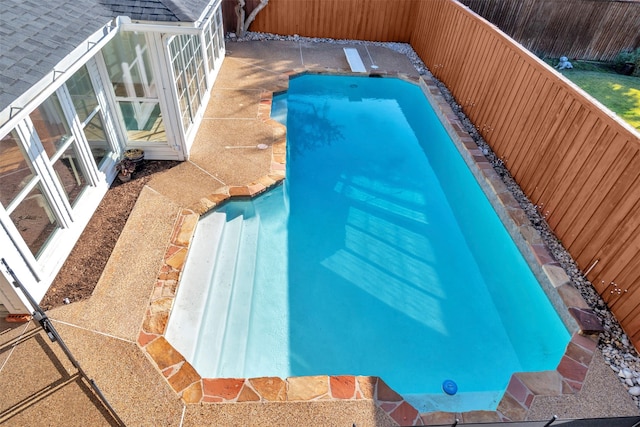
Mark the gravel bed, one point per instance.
(614, 344)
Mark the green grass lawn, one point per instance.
(621, 94)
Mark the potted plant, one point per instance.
(125, 168)
(136, 155)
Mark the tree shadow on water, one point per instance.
(310, 127)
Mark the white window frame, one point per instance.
(185, 60)
(212, 22)
(70, 219)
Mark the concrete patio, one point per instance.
(38, 385)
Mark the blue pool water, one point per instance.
(380, 255)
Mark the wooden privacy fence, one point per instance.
(374, 20)
(584, 29)
(575, 161)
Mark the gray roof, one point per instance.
(36, 35)
(157, 10)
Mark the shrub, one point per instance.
(628, 62)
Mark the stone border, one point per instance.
(568, 377)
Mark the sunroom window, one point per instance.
(190, 76)
(22, 196)
(89, 111)
(47, 163)
(60, 145)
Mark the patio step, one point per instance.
(233, 351)
(225, 324)
(190, 305)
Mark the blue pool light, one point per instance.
(449, 387)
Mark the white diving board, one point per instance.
(354, 60)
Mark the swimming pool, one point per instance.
(380, 256)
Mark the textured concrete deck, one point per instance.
(38, 383)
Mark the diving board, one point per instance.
(354, 60)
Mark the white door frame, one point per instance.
(173, 148)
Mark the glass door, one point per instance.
(128, 62)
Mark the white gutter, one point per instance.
(160, 28)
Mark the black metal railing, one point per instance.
(41, 317)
